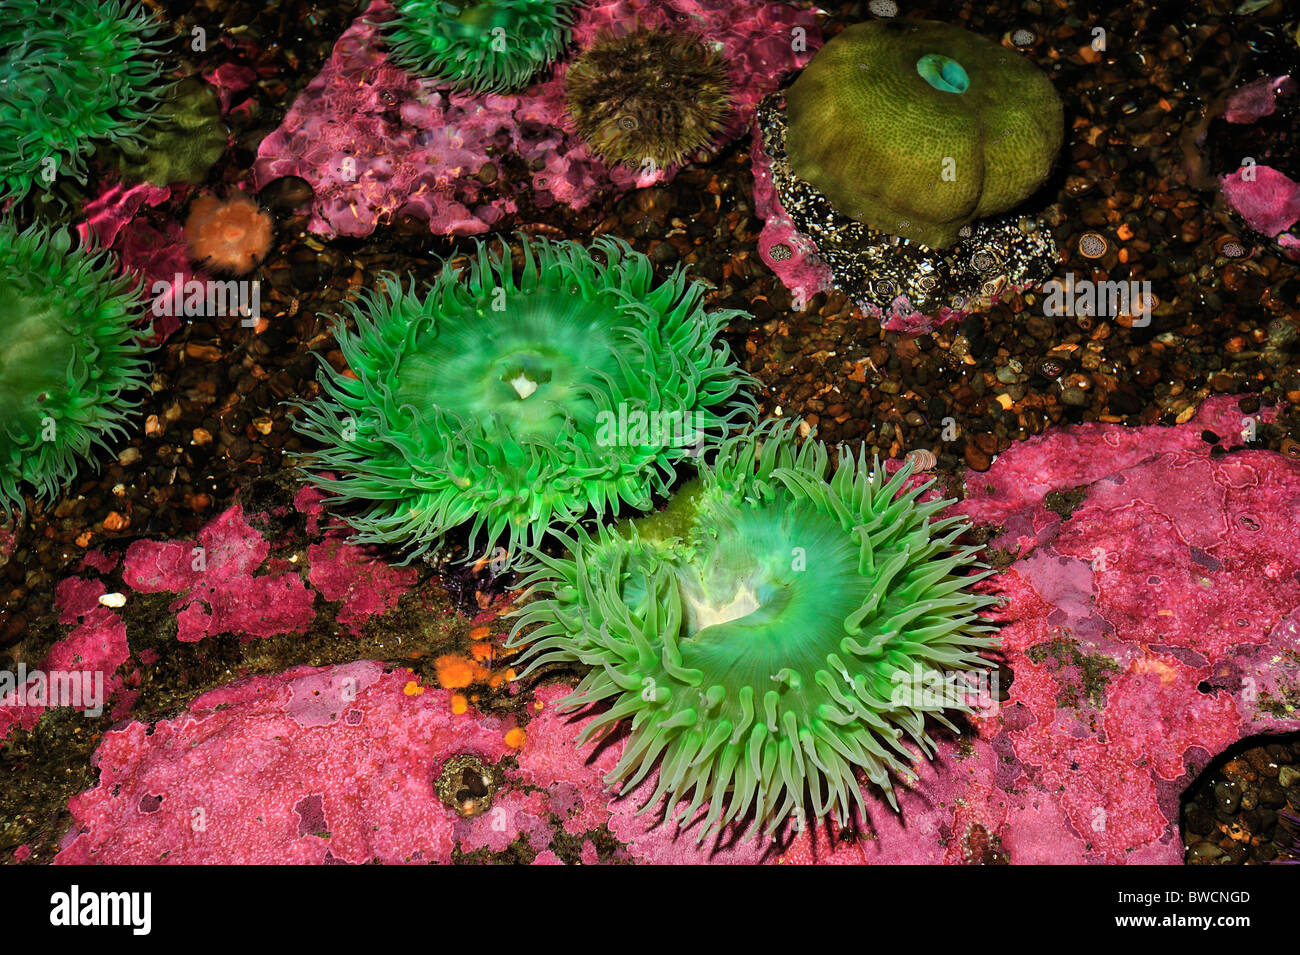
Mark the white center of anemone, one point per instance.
(706, 615)
(523, 385)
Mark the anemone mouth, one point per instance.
(511, 399)
(758, 653)
(943, 73)
(551, 352)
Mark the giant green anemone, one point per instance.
(69, 358)
(72, 74)
(917, 128)
(519, 401)
(760, 646)
(490, 45)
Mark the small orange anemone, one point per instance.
(230, 236)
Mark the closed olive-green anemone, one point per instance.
(70, 356)
(182, 141)
(72, 74)
(519, 400)
(479, 45)
(760, 652)
(917, 128)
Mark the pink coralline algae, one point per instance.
(1267, 199)
(376, 143)
(1257, 99)
(340, 765)
(217, 578)
(113, 221)
(96, 646)
(1148, 631)
(365, 583)
(227, 582)
(332, 765)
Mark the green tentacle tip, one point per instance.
(943, 73)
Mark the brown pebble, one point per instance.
(203, 352)
(116, 522)
(976, 459)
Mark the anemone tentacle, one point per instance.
(70, 355)
(480, 45)
(758, 654)
(496, 399)
(72, 74)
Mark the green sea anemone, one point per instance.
(648, 95)
(519, 401)
(917, 128)
(72, 74)
(775, 642)
(69, 357)
(492, 45)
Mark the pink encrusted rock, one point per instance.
(1147, 630)
(1257, 99)
(96, 645)
(315, 765)
(221, 589)
(360, 577)
(113, 221)
(1267, 199)
(376, 143)
(573, 779)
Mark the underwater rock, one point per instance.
(328, 765)
(216, 577)
(909, 288)
(342, 764)
(1250, 146)
(377, 143)
(1267, 199)
(1141, 637)
(113, 219)
(95, 647)
(1257, 98)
